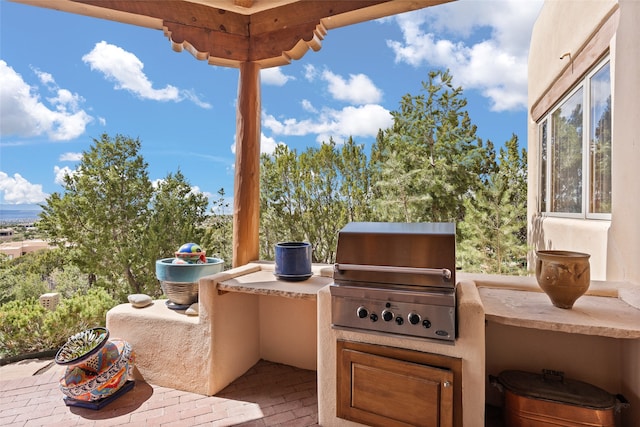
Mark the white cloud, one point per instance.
(267, 145)
(26, 115)
(45, 78)
(308, 106)
(70, 157)
(193, 97)
(274, 76)
(358, 89)
(496, 66)
(17, 191)
(358, 121)
(310, 72)
(126, 71)
(60, 173)
(196, 190)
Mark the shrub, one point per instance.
(26, 326)
(76, 314)
(21, 327)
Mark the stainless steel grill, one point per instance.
(396, 278)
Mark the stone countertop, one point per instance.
(608, 309)
(259, 278)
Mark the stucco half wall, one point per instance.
(233, 331)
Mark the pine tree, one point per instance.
(427, 163)
(494, 237)
(114, 220)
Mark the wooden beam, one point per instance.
(243, 3)
(205, 45)
(180, 12)
(246, 199)
(304, 12)
(285, 42)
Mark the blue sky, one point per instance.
(66, 79)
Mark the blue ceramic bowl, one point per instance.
(167, 271)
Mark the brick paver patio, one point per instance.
(269, 394)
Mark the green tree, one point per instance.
(113, 219)
(428, 162)
(494, 231)
(103, 212)
(310, 196)
(322, 207)
(279, 208)
(176, 216)
(355, 190)
(218, 235)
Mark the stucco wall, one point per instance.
(562, 27)
(624, 246)
(624, 241)
(288, 329)
(565, 27)
(614, 245)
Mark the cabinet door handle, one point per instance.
(446, 384)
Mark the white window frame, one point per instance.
(546, 120)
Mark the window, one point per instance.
(575, 150)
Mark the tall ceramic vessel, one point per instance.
(97, 368)
(563, 275)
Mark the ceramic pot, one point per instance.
(168, 271)
(563, 275)
(293, 260)
(91, 381)
(180, 281)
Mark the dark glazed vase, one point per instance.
(563, 275)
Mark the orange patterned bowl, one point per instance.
(101, 376)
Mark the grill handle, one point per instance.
(445, 273)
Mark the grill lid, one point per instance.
(409, 254)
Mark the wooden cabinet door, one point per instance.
(382, 391)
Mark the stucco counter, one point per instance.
(258, 278)
(595, 341)
(608, 309)
(245, 314)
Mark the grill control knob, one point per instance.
(362, 312)
(387, 315)
(373, 317)
(414, 318)
(399, 320)
(426, 323)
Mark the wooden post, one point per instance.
(246, 199)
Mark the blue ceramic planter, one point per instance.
(293, 260)
(166, 271)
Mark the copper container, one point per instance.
(534, 400)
